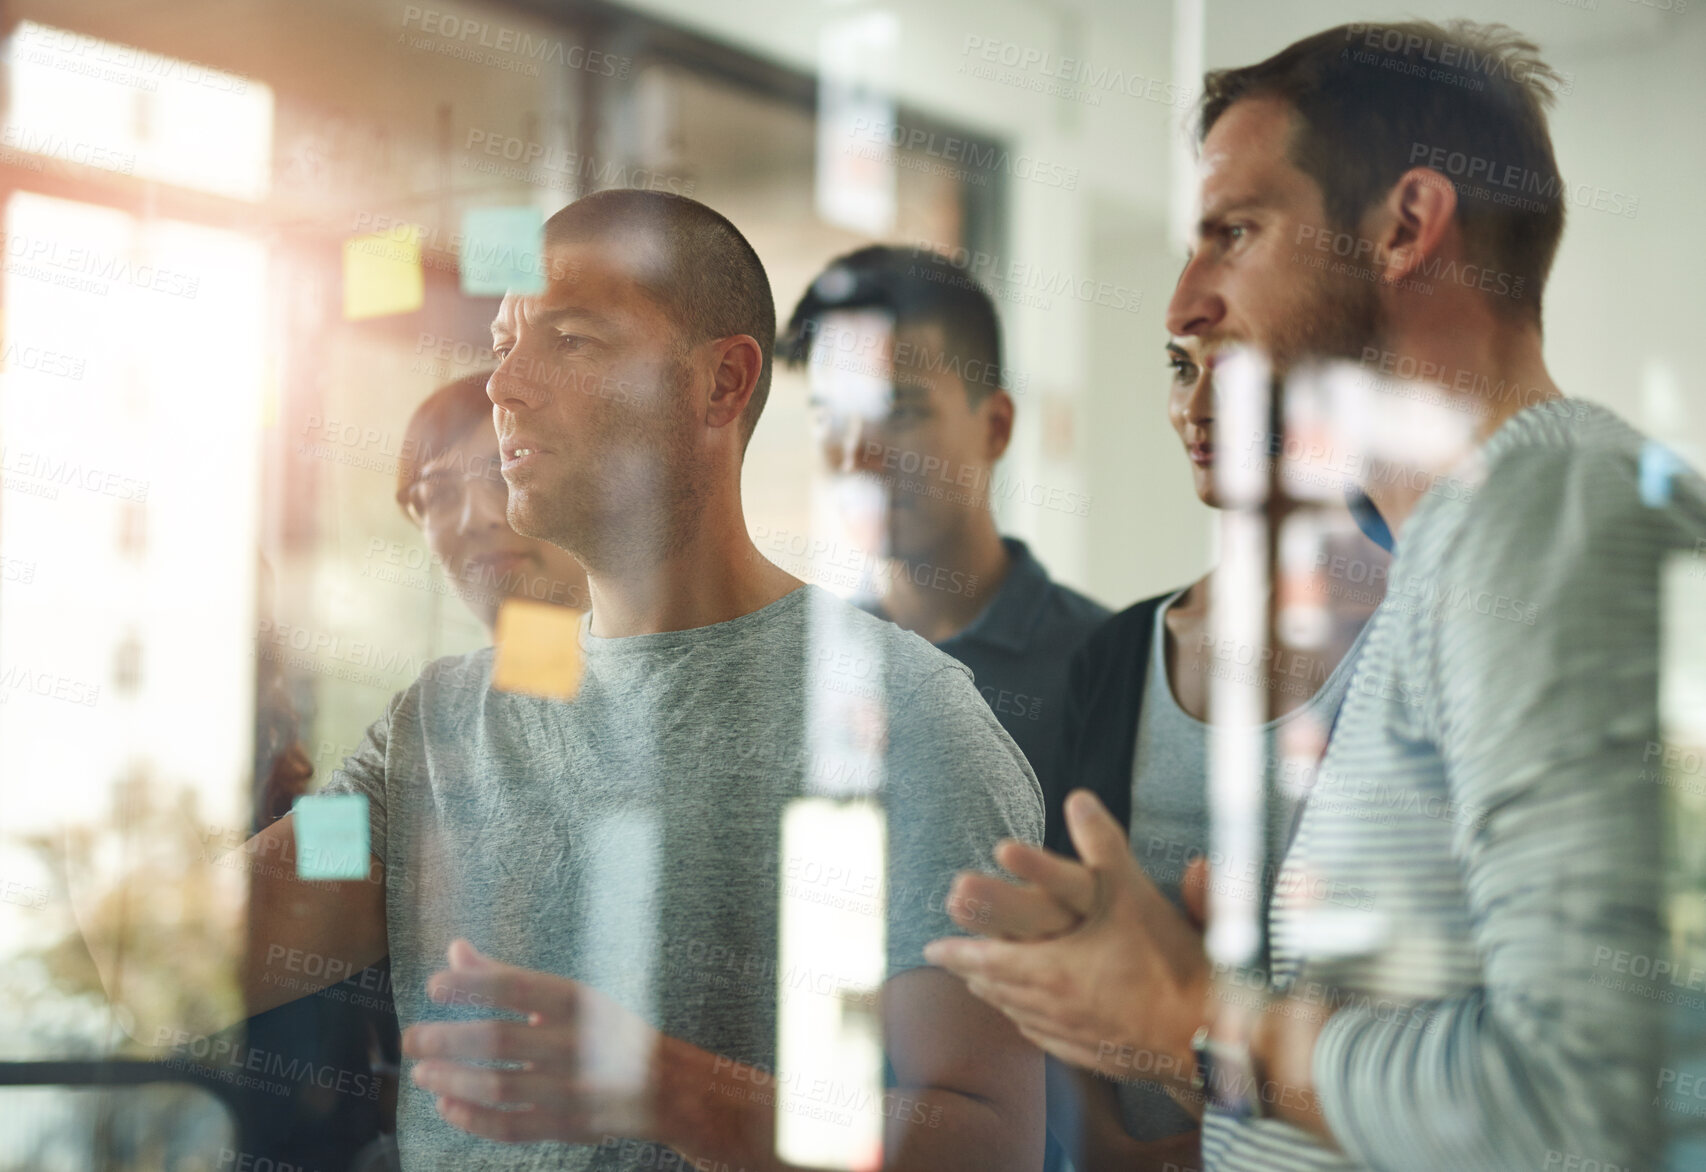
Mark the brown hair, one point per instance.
(442, 419)
(1371, 101)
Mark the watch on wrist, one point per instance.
(1226, 1075)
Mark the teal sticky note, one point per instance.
(503, 250)
(331, 836)
(1658, 465)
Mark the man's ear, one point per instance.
(1416, 222)
(998, 409)
(740, 362)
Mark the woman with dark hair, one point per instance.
(450, 483)
(1136, 731)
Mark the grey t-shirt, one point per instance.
(631, 839)
(1170, 817)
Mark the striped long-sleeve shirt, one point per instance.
(1486, 797)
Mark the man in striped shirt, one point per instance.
(1388, 196)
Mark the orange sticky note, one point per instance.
(538, 649)
(382, 275)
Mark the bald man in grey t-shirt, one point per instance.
(602, 883)
(632, 839)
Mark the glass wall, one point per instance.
(251, 506)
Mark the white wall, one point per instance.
(1088, 420)
(1622, 299)
(1622, 307)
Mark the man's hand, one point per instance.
(582, 1067)
(1092, 963)
(1053, 897)
(1032, 910)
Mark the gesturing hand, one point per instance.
(1089, 960)
(582, 1067)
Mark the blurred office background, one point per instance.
(232, 233)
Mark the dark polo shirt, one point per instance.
(1018, 649)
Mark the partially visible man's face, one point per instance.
(598, 436)
(1252, 277)
(890, 406)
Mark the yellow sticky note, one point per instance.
(382, 274)
(538, 649)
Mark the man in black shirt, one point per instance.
(912, 407)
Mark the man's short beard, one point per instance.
(1338, 316)
(655, 491)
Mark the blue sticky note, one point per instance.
(503, 250)
(1658, 465)
(331, 836)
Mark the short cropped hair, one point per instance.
(712, 283)
(916, 286)
(438, 424)
(1469, 100)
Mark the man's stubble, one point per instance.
(642, 498)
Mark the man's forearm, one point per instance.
(1108, 1147)
(1282, 1051)
(1281, 1033)
(726, 1116)
(1175, 1153)
(716, 1112)
(930, 1128)
(304, 935)
(289, 953)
